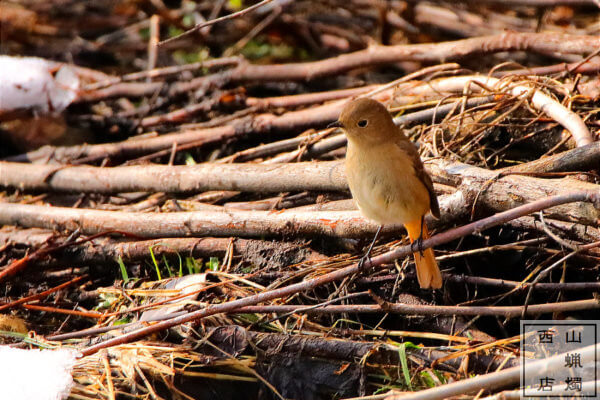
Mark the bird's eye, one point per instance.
(362, 123)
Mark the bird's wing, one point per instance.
(409, 148)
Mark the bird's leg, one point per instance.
(419, 241)
(366, 257)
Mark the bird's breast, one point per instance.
(384, 185)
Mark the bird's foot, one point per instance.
(367, 255)
(363, 260)
(417, 245)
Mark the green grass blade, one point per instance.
(404, 364)
(124, 273)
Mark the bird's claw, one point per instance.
(418, 243)
(362, 261)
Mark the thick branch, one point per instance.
(420, 309)
(338, 349)
(581, 158)
(429, 52)
(494, 191)
(175, 179)
(197, 223)
(107, 250)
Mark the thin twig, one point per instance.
(214, 21)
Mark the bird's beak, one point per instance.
(335, 124)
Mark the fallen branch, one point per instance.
(107, 250)
(500, 284)
(581, 158)
(125, 149)
(455, 207)
(45, 293)
(419, 309)
(428, 52)
(194, 223)
(162, 72)
(341, 349)
(493, 191)
(175, 179)
(262, 178)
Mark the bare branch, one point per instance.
(107, 250)
(581, 158)
(421, 309)
(195, 223)
(438, 52)
(494, 191)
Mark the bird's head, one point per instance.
(366, 120)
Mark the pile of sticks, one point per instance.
(224, 168)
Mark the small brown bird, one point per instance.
(387, 178)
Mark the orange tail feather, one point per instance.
(428, 272)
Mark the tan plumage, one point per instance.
(387, 178)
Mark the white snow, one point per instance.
(30, 82)
(35, 374)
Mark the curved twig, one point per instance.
(542, 102)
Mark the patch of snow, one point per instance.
(29, 82)
(36, 374)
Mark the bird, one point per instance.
(387, 179)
